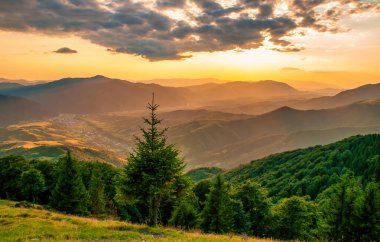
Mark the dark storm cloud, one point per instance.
(133, 27)
(65, 50)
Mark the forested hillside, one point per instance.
(309, 172)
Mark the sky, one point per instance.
(335, 42)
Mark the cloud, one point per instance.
(171, 29)
(65, 50)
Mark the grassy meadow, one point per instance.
(38, 224)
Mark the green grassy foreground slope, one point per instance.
(37, 224)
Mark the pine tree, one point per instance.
(32, 184)
(221, 213)
(153, 169)
(214, 213)
(69, 193)
(256, 205)
(370, 213)
(96, 192)
(201, 189)
(240, 223)
(293, 218)
(341, 210)
(186, 213)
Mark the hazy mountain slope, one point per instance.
(100, 94)
(227, 140)
(44, 140)
(232, 155)
(6, 86)
(117, 131)
(16, 109)
(311, 171)
(233, 90)
(366, 92)
(229, 143)
(252, 107)
(307, 101)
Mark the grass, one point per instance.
(38, 224)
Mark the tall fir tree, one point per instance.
(201, 189)
(340, 211)
(153, 170)
(185, 214)
(96, 193)
(69, 193)
(222, 214)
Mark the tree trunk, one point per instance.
(154, 204)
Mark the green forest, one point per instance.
(327, 192)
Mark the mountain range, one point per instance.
(100, 94)
(214, 124)
(230, 143)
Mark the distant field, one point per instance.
(37, 224)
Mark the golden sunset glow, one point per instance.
(347, 59)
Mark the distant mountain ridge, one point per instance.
(362, 93)
(233, 90)
(6, 86)
(16, 109)
(21, 81)
(99, 94)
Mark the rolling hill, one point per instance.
(43, 140)
(16, 109)
(227, 144)
(309, 172)
(362, 93)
